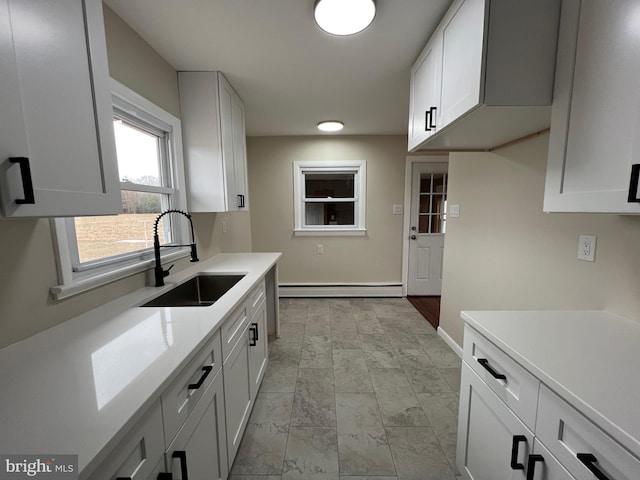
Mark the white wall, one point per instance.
(504, 253)
(375, 257)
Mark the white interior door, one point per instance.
(427, 228)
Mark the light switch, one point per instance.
(397, 209)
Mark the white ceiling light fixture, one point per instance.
(344, 17)
(330, 126)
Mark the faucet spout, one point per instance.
(159, 272)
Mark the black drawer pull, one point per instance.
(27, 182)
(589, 460)
(241, 201)
(164, 476)
(517, 439)
(485, 363)
(432, 117)
(253, 329)
(123, 478)
(633, 184)
(207, 370)
(182, 455)
(427, 121)
(531, 465)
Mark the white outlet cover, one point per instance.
(587, 248)
(454, 211)
(397, 209)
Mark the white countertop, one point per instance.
(590, 358)
(74, 388)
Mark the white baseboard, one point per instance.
(449, 341)
(340, 290)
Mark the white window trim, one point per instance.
(299, 167)
(72, 283)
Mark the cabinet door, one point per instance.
(55, 110)
(462, 43)
(425, 92)
(237, 392)
(199, 451)
(545, 466)
(239, 154)
(258, 347)
(487, 433)
(595, 126)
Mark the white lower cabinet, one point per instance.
(258, 347)
(199, 451)
(237, 391)
(541, 465)
(492, 442)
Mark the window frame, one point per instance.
(359, 168)
(76, 279)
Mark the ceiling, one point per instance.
(291, 74)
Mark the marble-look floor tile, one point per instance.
(316, 352)
(314, 400)
(398, 404)
(290, 332)
(364, 454)
(279, 378)
(312, 453)
(318, 325)
(381, 359)
(283, 353)
(350, 372)
(441, 410)
(448, 444)
(255, 477)
(426, 380)
(399, 339)
(358, 413)
(272, 408)
(375, 341)
(261, 451)
(369, 326)
(417, 454)
(413, 357)
(368, 477)
(440, 353)
(452, 377)
(341, 340)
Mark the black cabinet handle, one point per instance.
(182, 456)
(517, 439)
(27, 183)
(164, 476)
(253, 341)
(432, 117)
(240, 201)
(485, 363)
(531, 465)
(589, 460)
(633, 184)
(207, 370)
(123, 478)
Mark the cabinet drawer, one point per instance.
(518, 389)
(256, 297)
(233, 328)
(136, 456)
(567, 435)
(549, 468)
(181, 397)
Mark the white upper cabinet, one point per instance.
(57, 149)
(214, 143)
(595, 125)
(486, 75)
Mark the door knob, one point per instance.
(413, 228)
(413, 237)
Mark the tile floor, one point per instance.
(356, 389)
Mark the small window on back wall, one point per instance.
(330, 197)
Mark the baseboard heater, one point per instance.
(340, 290)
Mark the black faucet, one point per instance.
(160, 273)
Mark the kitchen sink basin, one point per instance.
(200, 291)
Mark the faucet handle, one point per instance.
(165, 273)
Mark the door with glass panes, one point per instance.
(427, 228)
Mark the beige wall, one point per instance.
(27, 262)
(373, 258)
(504, 253)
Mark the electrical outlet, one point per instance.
(587, 248)
(397, 209)
(319, 249)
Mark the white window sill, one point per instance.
(82, 283)
(333, 232)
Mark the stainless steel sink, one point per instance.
(200, 291)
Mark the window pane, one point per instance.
(329, 213)
(423, 224)
(138, 154)
(329, 185)
(106, 236)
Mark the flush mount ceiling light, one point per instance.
(330, 126)
(344, 17)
